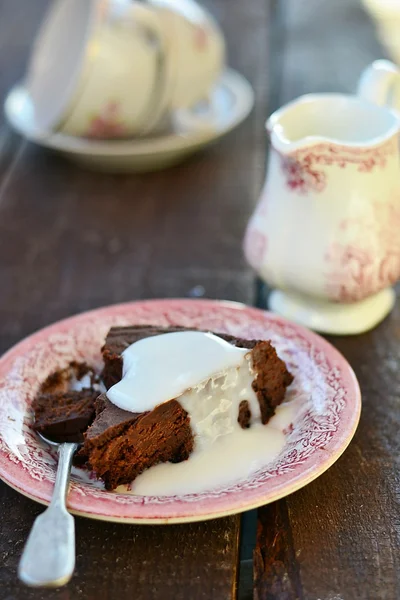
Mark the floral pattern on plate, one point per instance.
(325, 389)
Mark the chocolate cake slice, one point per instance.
(272, 375)
(65, 405)
(120, 445)
(63, 417)
(75, 376)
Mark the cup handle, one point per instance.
(380, 83)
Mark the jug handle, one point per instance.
(380, 83)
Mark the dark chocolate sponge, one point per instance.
(120, 445)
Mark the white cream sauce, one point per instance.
(209, 377)
(162, 367)
(231, 458)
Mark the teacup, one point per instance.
(197, 50)
(110, 68)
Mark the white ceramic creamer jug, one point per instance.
(325, 233)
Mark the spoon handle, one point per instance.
(48, 558)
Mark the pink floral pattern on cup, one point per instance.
(255, 246)
(107, 124)
(200, 37)
(300, 177)
(303, 169)
(367, 259)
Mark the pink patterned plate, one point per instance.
(325, 387)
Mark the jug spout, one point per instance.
(337, 119)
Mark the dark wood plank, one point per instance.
(18, 24)
(123, 561)
(71, 240)
(326, 45)
(154, 235)
(276, 573)
(338, 538)
(351, 543)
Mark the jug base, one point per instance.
(330, 317)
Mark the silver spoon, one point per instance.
(48, 559)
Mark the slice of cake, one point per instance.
(65, 405)
(174, 392)
(64, 417)
(120, 445)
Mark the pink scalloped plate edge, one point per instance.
(327, 390)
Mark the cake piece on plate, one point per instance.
(63, 417)
(171, 389)
(120, 445)
(65, 405)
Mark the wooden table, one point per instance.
(71, 240)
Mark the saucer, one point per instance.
(230, 103)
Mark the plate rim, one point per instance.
(288, 488)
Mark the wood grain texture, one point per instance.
(339, 538)
(345, 525)
(325, 46)
(72, 240)
(124, 561)
(276, 573)
(18, 24)
(119, 238)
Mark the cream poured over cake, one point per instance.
(179, 392)
(181, 364)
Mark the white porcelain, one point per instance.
(331, 317)
(389, 36)
(94, 68)
(230, 102)
(115, 68)
(386, 15)
(197, 49)
(58, 57)
(380, 83)
(325, 231)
